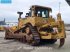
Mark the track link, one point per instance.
(36, 35)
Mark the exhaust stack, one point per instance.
(20, 13)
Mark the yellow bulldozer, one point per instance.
(1, 28)
(38, 25)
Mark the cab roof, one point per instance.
(38, 6)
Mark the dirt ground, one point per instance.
(16, 46)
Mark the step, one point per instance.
(36, 38)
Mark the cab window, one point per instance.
(42, 13)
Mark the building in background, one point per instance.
(3, 22)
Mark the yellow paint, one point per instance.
(1, 28)
(40, 22)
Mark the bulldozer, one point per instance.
(1, 28)
(38, 25)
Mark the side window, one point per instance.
(38, 13)
(47, 13)
(43, 14)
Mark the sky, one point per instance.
(9, 10)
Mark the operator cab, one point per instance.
(39, 11)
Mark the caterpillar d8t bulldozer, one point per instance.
(38, 25)
(1, 28)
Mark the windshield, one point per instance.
(42, 12)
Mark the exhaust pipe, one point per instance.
(20, 13)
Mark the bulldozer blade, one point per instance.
(62, 40)
(8, 34)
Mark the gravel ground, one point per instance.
(16, 46)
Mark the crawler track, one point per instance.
(35, 34)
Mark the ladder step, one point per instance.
(36, 38)
(35, 35)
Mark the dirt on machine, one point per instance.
(38, 25)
